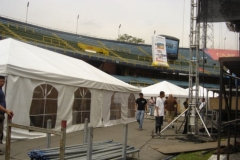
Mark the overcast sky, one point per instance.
(101, 18)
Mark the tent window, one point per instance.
(44, 106)
(115, 108)
(81, 106)
(131, 106)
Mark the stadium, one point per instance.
(59, 82)
(129, 62)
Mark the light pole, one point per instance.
(27, 11)
(119, 30)
(77, 24)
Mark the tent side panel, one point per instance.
(106, 103)
(96, 108)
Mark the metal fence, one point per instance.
(61, 133)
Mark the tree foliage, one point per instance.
(130, 39)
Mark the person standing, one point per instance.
(185, 103)
(2, 109)
(202, 108)
(140, 106)
(151, 104)
(177, 108)
(159, 112)
(170, 104)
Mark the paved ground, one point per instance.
(138, 139)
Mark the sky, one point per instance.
(101, 18)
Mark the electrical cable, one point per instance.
(183, 21)
(205, 45)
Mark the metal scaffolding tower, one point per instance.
(206, 27)
(193, 69)
(207, 35)
(192, 110)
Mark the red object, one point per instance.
(216, 53)
(64, 124)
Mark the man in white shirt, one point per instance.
(202, 108)
(159, 112)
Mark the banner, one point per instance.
(159, 54)
(216, 53)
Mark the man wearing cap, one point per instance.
(140, 106)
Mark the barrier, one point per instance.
(61, 133)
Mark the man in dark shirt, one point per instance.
(2, 109)
(140, 106)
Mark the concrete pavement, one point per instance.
(138, 139)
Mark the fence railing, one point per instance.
(61, 133)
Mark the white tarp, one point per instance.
(202, 92)
(165, 86)
(27, 67)
(18, 58)
(159, 53)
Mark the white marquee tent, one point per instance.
(202, 92)
(39, 78)
(168, 88)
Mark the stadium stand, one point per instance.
(132, 62)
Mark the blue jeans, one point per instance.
(151, 110)
(202, 115)
(139, 117)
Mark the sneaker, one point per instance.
(140, 129)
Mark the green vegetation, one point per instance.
(130, 39)
(193, 156)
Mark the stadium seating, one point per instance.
(134, 54)
(149, 81)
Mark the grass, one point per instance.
(193, 156)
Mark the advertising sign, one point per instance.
(216, 53)
(159, 53)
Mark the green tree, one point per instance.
(130, 39)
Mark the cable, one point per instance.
(220, 37)
(183, 21)
(205, 45)
(203, 71)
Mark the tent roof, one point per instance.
(165, 86)
(202, 92)
(25, 60)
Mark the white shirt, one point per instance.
(202, 105)
(160, 106)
